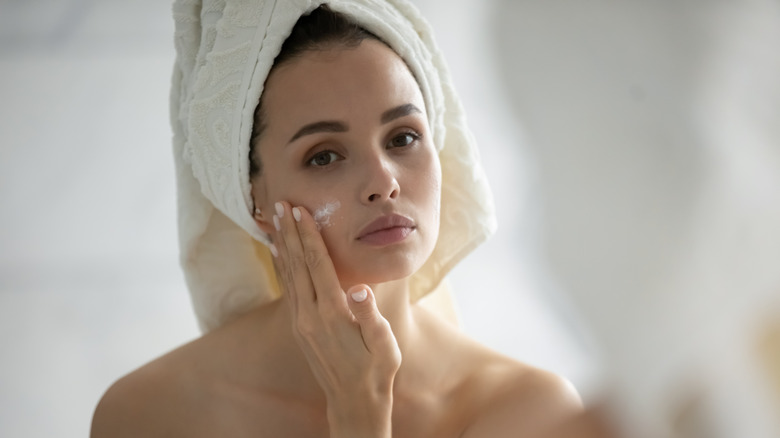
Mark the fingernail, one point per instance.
(296, 214)
(274, 251)
(360, 295)
(279, 209)
(277, 225)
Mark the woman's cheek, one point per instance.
(328, 215)
(324, 214)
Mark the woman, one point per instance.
(351, 185)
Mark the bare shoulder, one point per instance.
(190, 391)
(517, 399)
(147, 401)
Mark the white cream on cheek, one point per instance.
(323, 215)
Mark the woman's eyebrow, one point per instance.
(324, 126)
(336, 126)
(398, 112)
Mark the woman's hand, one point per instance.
(349, 345)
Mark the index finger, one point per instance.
(323, 274)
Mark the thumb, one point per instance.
(374, 328)
(362, 304)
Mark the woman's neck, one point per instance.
(411, 327)
(418, 334)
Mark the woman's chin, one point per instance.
(380, 266)
(374, 274)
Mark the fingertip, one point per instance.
(359, 296)
(300, 215)
(359, 293)
(299, 212)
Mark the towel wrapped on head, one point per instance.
(225, 51)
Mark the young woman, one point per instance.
(346, 184)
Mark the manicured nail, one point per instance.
(274, 251)
(277, 225)
(258, 212)
(296, 214)
(279, 209)
(360, 295)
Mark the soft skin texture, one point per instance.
(368, 174)
(318, 363)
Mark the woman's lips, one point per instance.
(386, 230)
(387, 236)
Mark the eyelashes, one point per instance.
(406, 138)
(326, 157)
(323, 158)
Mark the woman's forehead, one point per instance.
(340, 81)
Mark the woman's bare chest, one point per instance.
(265, 414)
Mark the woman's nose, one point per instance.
(381, 183)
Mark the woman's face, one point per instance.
(346, 136)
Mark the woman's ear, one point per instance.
(263, 218)
(264, 221)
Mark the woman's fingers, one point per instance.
(313, 284)
(296, 276)
(283, 275)
(348, 344)
(327, 288)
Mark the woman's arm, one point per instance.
(349, 345)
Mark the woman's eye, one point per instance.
(323, 158)
(404, 139)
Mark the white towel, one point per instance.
(225, 50)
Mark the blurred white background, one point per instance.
(90, 286)
(655, 132)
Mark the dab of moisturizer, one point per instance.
(323, 215)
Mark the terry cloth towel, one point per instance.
(225, 50)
